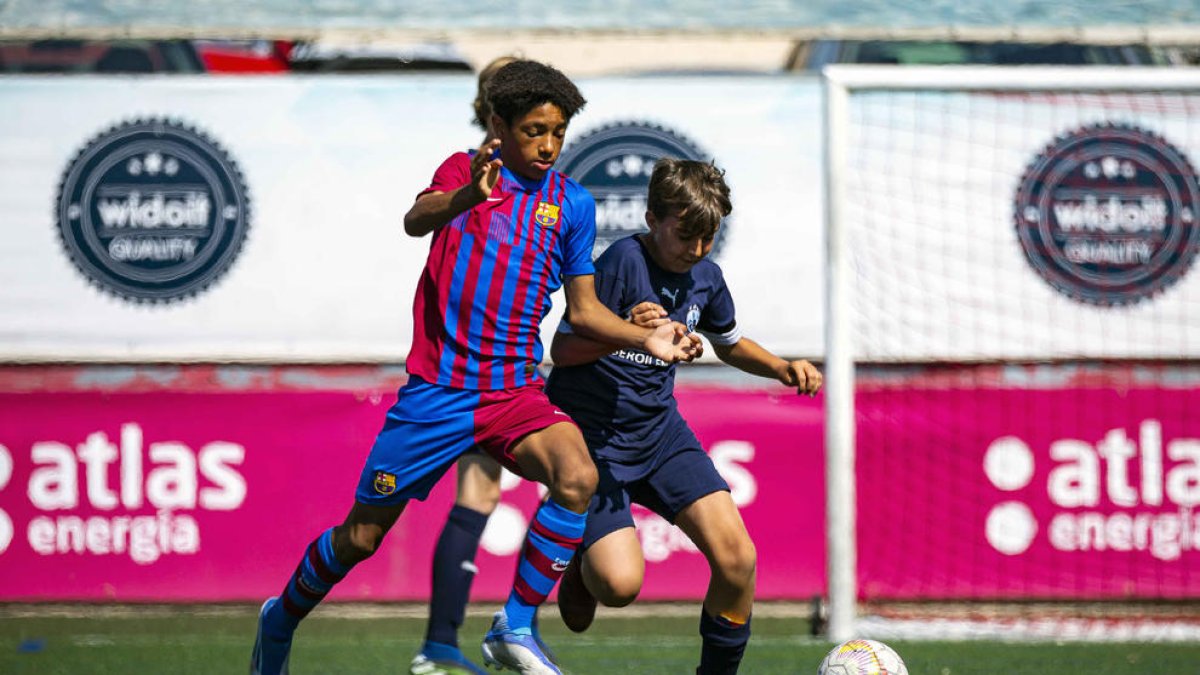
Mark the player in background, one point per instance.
(623, 401)
(477, 495)
(508, 230)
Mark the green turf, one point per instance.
(182, 641)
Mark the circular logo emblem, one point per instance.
(1107, 214)
(614, 163)
(152, 211)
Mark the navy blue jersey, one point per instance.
(624, 402)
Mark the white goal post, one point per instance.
(1002, 289)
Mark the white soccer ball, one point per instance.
(862, 657)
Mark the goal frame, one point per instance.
(840, 82)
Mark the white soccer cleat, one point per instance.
(516, 650)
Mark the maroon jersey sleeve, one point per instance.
(454, 173)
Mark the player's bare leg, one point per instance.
(478, 483)
(557, 457)
(609, 572)
(715, 526)
(359, 536)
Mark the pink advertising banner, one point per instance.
(207, 486)
(1081, 486)
(206, 483)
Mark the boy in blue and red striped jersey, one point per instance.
(508, 231)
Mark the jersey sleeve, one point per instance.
(580, 235)
(718, 321)
(610, 287)
(454, 173)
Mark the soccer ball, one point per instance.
(862, 657)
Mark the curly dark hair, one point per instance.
(523, 85)
(694, 191)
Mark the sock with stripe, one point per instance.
(553, 536)
(314, 577)
(722, 643)
(453, 571)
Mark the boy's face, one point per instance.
(672, 248)
(531, 145)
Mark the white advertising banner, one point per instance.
(1024, 225)
(149, 218)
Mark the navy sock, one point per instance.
(453, 571)
(722, 644)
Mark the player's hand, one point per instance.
(672, 343)
(485, 171)
(648, 315)
(802, 375)
(683, 334)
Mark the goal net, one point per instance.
(1013, 352)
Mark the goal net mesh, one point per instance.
(1025, 320)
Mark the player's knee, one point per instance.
(575, 484)
(619, 591)
(736, 562)
(358, 542)
(482, 499)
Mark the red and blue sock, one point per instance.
(314, 577)
(553, 536)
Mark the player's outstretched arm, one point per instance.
(569, 349)
(753, 358)
(434, 209)
(591, 319)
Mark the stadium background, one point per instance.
(148, 442)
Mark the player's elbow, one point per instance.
(724, 352)
(560, 355)
(412, 225)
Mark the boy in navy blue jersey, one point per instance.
(623, 401)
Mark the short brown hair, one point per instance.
(482, 109)
(694, 191)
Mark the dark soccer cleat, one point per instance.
(270, 656)
(576, 604)
(425, 665)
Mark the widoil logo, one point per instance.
(152, 211)
(1107, 214)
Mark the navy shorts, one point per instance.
(679, 479)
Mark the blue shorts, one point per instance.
(430, 426)
(677, 480)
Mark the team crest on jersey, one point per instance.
(546, 214)
(385, 483)
(693, 317)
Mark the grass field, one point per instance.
(347, 640)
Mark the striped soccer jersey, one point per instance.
(487, 281)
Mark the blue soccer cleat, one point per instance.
(516, 649)
(537, 637)
(440, 659)
(270, 656)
